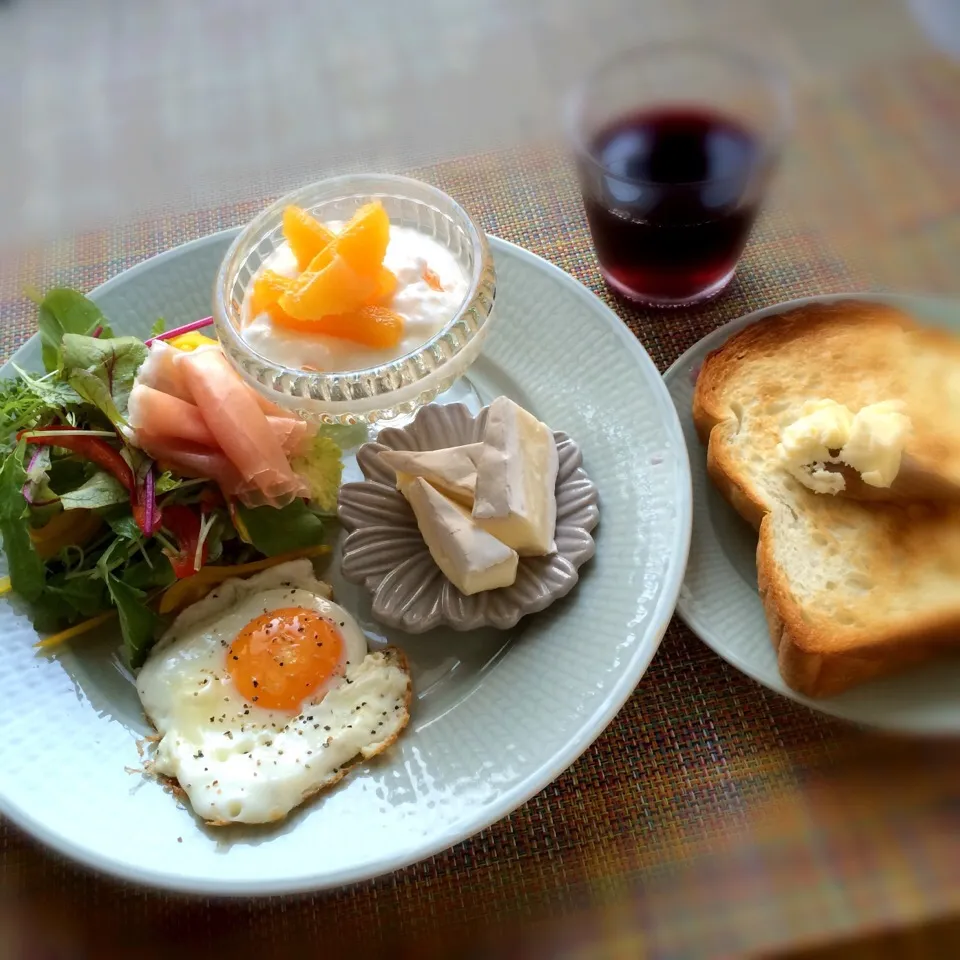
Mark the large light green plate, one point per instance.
(497, 715)
(719, 599)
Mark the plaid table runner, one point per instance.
(712, 818)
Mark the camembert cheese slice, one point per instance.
(471, 559)
(452, 470)
(515, 498)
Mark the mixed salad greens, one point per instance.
(92, 527)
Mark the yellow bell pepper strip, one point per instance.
(191, 589)
(70, 528)
(5, 585)
(85, 626)
(188, 342)
(55, 639)
(181, 331)
(237, 521)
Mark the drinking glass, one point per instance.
(675, 143)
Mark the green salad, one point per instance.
(93, 528)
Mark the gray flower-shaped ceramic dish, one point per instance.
(385, 552)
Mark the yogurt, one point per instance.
(425, 311)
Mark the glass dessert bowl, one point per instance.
(441, 294)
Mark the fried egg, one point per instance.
(263, 693)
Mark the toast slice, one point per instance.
(852, 589)
(856, 353)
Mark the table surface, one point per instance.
(712, 818)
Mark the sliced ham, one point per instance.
(162, 414)
(274, 409)
(196, 416)
(186, 459)
(238, 424)
(192, 460)
(292, 433)
(160, 371)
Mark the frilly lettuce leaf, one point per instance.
(345, 436)
(102, 371)
(65, 311)
(101, 490)
(320, 465)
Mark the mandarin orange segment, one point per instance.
(280, 319)
(381, 326)
(371, 326)
(386, 285)
(323, 259)
(363, 241)
(432, 280)
(312, 328)
(337, 288)
(268, 287)
(306, 235)
(377, 327)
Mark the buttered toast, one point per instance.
(852, 589)
(855, 353)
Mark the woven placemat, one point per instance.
(712, 818)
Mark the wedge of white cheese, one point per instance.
(471, 559)
(515, 498)
(452, 470)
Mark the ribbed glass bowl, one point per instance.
(389, 390)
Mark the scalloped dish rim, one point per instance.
(429, 610)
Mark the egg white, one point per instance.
(238, 762)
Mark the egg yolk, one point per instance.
(280, 658)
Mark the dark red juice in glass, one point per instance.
(671, 195)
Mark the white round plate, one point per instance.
(719, 599)
(497, 715)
